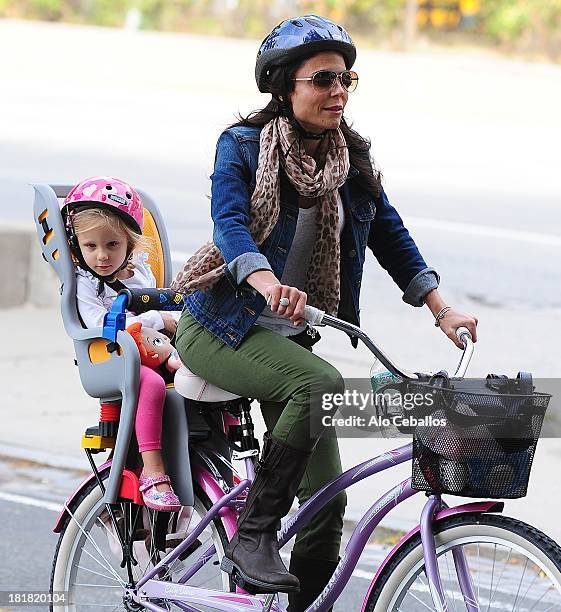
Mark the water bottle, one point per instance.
(380, 376)
(386, 399)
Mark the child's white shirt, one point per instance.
(93, 307)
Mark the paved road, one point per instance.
(466, 143)
(27, 521)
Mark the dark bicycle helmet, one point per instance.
(298, 37)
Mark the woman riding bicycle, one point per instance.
(295, 202)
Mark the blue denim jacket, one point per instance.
(230, 308)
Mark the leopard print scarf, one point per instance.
(281, 147)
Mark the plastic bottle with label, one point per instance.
(380, 376)
(387, 398)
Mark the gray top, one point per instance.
(296, 267)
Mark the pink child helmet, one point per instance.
(107, 192)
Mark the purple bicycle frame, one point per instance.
(183, 595)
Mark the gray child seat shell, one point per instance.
(107, 375)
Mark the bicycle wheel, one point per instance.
(88, 554)
(513, 567)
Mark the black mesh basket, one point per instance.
(487, 443)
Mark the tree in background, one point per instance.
(524, 25)
(529, 26)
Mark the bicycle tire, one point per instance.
(86, 510)
(396, 590)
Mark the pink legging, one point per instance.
(151, 397)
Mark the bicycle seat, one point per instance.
(193, 387)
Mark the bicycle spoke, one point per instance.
(478, 574)
(98, 519)
(492, 597)
(80, 605)
(153, 559)
(130, 531)
(133, 522)
(536, 576)
(93, 543)
(151, 545)
(537, 602)
(186, 528)
(141, 568)
(98, 586)
(420, 601)
(94, 605)
(519, 585)
(447, 557)
(87, 569)
(425, 585)
(116, 576)
(492, 576)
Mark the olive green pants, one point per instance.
(288, 380)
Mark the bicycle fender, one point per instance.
(481, 507)
(129, 490)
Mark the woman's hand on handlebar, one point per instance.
(273, 291)
(277, 293)
(454, 319)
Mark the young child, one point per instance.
(104, 220)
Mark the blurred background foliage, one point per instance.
(532, 27)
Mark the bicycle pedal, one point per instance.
(228, 566)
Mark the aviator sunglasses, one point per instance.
(323, 80)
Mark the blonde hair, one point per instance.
(99, 218)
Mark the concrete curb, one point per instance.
(24, 276)
(60, 462)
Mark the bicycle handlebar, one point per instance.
(314, 316)
(317, 317)
(165, 299)
(465, 338)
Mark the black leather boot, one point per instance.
(313, 574)
(252, 557)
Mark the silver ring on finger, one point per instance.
(284, 301)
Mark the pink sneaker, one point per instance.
(165, 501)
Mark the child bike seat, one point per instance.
(110, 371)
